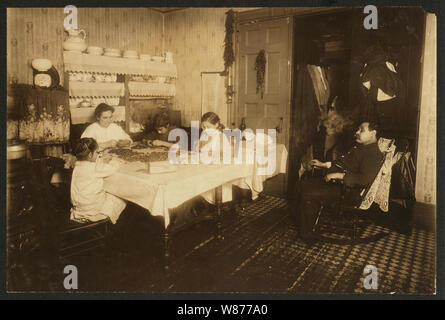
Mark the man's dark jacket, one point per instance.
(360, 165)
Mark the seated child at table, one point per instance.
(88, 197)
(162, 127)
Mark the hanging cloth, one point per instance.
(321, 85)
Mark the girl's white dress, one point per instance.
(88, 197)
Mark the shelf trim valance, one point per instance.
(146, 89)
(96, 89)
(80, 62)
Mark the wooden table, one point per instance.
(163, 191)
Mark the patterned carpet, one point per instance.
(261, 253)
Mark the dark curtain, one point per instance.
(304, 122)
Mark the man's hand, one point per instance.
(334, 175)
(318, 164)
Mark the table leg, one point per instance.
(166, 250)
(166, 232)
(218, 202)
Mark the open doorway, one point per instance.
(335, 59)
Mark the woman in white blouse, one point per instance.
(104, 131)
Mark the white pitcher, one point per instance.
(76, 40)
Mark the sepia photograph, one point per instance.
(244, 150)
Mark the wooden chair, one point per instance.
(341, 228)
(71, 238)
(75, 238)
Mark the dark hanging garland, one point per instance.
(229, 55)
(260, 67)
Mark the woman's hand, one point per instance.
(108, 144)
(123, 143)
(160, 143)
(106, 157)
(148, 142)
(112, 143)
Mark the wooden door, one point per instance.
(272, 110)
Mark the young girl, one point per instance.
(88, 197)
(213, 129)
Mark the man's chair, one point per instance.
(342, 226)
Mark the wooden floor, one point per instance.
(260, 253)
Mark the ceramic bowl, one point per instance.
(157, 58)
(99, 77)
(72, 76)
(87, 77)
(111, 54)
(113, 50)
(41, 64)
(95, 50)
(161, 79)
(78, 76)
(145, 57)
(130, 54)
(85, 104)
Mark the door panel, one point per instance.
(253, 37)
(250, 75)
(273, 109)
(273, 37)
(273, 71)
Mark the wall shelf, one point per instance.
(80, 62)
(128, 89)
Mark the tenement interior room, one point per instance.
(241, 150)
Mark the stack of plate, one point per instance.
(98, 51)
(157, 59)
(145, 57)
(112, 52)
(131, 54)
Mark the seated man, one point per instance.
(357, 168)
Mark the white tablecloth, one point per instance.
(162, 191)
